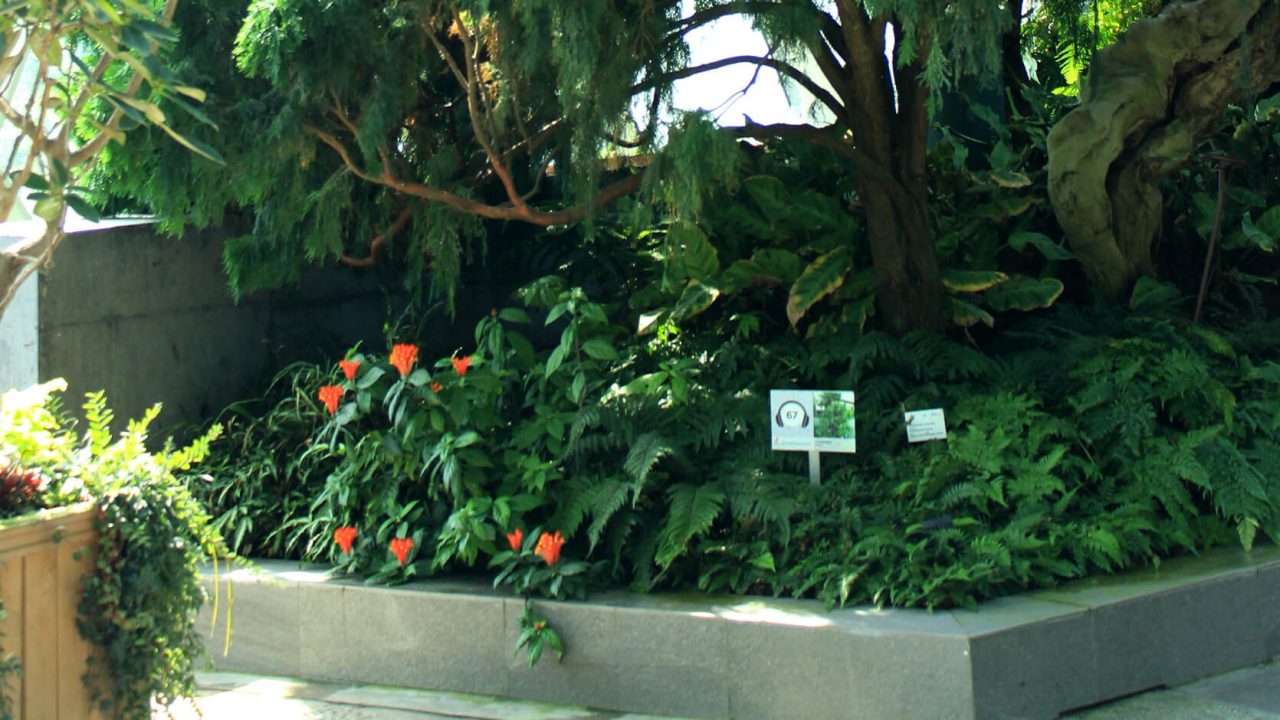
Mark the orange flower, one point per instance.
(403, 356)
(345, 536)
(460, 364)
(436, 387)
(515, 538)
(549, 547)
(330, 395)
(400, 547)
(349, 368)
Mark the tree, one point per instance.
(1149, 102)
(73, 76)
(358, 125)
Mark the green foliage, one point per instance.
(139, 602)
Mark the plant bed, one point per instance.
(42, 559)
(1033, 655)
(99, 557)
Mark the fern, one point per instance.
(99, 418)
(645, 452)
(693, 508)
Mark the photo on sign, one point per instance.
(833, 415)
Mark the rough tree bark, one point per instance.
(1150, 99)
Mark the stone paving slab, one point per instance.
(243, 696)
(1249, 694)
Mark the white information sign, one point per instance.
(923, 425)
(813, 420)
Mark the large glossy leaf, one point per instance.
(696, 298)
(770, 266)
(1024, 293)
(1265, 231)
(690, 255)
(1043, 243)
(770, 195)
(972, 280)
(966, 314)
(823, 277)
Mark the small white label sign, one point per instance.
(923, 425)
(813, 420)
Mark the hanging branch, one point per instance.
(376, 245)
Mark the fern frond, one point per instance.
(693, 508)
(645, 452)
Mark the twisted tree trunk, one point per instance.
(1149, 101)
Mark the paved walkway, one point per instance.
(1248, 694)
(232, 696)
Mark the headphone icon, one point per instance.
(804, 414)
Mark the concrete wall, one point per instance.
(148, 319)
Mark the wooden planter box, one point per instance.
(40, 586)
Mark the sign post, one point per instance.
(814, 421)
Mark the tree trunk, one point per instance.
(908, 285)
(21, 260)
(1149, 101)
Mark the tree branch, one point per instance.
(781, 67)
(375, 245)
(523, 213)
(94, 146)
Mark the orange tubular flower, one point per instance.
(345, 536)
(400, 547)
(515, 538)
(403, 356)
(349, 368)
(460, 364)
(330, 395)
(436, 387)
(549, 547)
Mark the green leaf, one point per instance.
(418, 377)
(1151, 294)
(971, 281)
(1009, 179)
(555, 360)
(770, 195)
(1265, 233)
(373, 375)
(690, 255)
(194, 145)
(966, 314)
(84, 209)
(600, 350)
(823, 277)
(36, 182)
(1024, 293)
(515, 315)
(695, 299)
(1047, 247)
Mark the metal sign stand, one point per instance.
(815, 467)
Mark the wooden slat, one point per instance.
(73, 651)
(12, 626)
(34, 533)
(40, 636)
